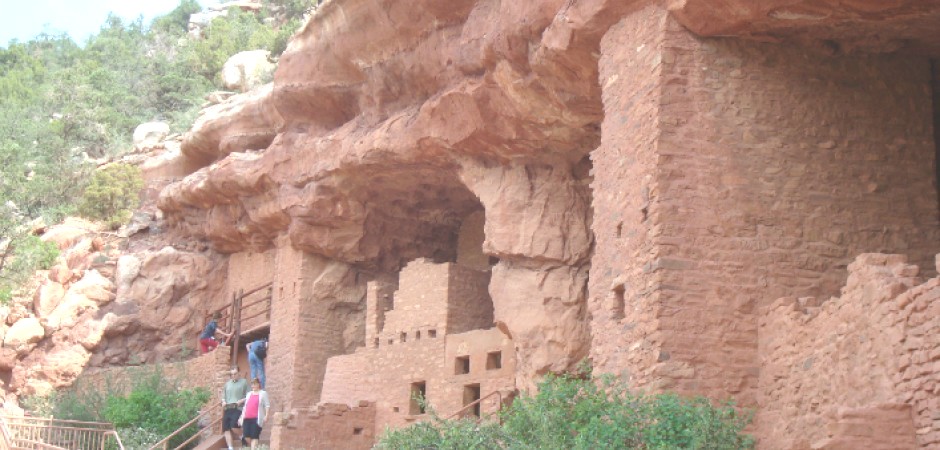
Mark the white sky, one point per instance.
(25, 19)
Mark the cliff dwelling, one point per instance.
(453, 199)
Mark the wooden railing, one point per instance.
(46, 433)
(462, 412)
(248, 311)
(164, 443)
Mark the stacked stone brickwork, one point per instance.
(771, 172)
(385, 375)
(331, 425)
(858, 371)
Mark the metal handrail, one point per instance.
(212, 424)
(165, 442)
(34, 432)
(477, 402)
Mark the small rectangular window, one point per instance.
(357, 430)
(494, 360)
(403, 336)
(432, 334)
(462, 365)
(417, 335)
(375, 343)
(418, 391)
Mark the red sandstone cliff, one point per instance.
(646, 191)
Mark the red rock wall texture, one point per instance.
(773, 168)
(833, 372)
(723, 174)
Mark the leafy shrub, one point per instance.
(20, 256)
(112, 193)
(587, 413)
(155, 404)
(33, 253)
(150, 408)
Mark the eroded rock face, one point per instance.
(542, 308)
(840, 26)
(24, 333)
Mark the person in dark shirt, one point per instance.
(257, 352)
(207, 341)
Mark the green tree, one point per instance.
(112, 194)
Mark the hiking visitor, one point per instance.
(257, 352)
(256, 408)
(207, 341)
(233, 397)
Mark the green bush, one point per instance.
(586, 413)
(22, 255)
(112, 194)
(157, 405)
(147, 410)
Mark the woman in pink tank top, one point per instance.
(253, 415)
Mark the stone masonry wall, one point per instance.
(470, 242)
(248, 270)
(624, 297)
(420, 303)
(774, 167)
(330, 426)
(859, 371)
(385, 375)
(318, 311)
(469, 306)
(437, 298)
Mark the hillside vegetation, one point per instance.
(66, 106)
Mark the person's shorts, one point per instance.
(251, 428)
(230, 418)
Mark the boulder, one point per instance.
(201, 20)
(25, 332)
(247, 70)
(150, 135)
(94, 287)
(7, 358)
(47, 298)
(128, 267)
(70, 231)
(60, 273)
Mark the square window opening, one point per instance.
(494, 360)
(432, 334)
(462, 365)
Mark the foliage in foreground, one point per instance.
(584, 413)
(151, 407)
